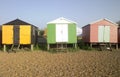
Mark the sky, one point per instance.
(39, 12)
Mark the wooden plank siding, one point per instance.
(51, 38)
(72, 33)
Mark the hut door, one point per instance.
(104, 33)
(25, 34)
(107, 34)
(16, 34)
(100, 33)
(61, 32)
(7, 34)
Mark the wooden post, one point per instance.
(4, 49)
(75, 45)
(110, 46)
(90, 45)
(12, 47)
(18, 47)
(31, 47)
(48, 46)
(62, 45)
(117, 46)
(66, 45)
(56, 45)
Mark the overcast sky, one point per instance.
(39, 12)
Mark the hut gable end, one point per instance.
(17, 22)
(104, 22)
(61, 20)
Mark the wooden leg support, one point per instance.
(117, 46)
(48, 46)
(75, 45)
(18, 47)
(12, 47)
(4, 48)
(31, 47)
(90, 45)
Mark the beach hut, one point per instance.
(61, 31)
(119, 35)
(0, 35)
(101, 31)
(18, 32)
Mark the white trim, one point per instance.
(61, 20)
(104, 19)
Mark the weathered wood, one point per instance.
(48, 46)
(90, 45)
(75, 45)
(4, 48)
(117, 46)
(31, 47)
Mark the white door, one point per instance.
(101, 33)
(107, 34)
(104, 33)
(61, 32)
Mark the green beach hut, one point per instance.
(61, 33)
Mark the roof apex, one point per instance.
(17, 22)
(61, 20)
(104, 19)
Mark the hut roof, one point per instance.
(104, 19)
(17, 22)
(99, 21)
(61, 20)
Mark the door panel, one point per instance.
(7, 34)
(107, 34)
(61, 32)
(104, 33)
(100, 33)
(25, 34)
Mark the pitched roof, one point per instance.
(17, 22)
(104, 19)
(61, 20)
